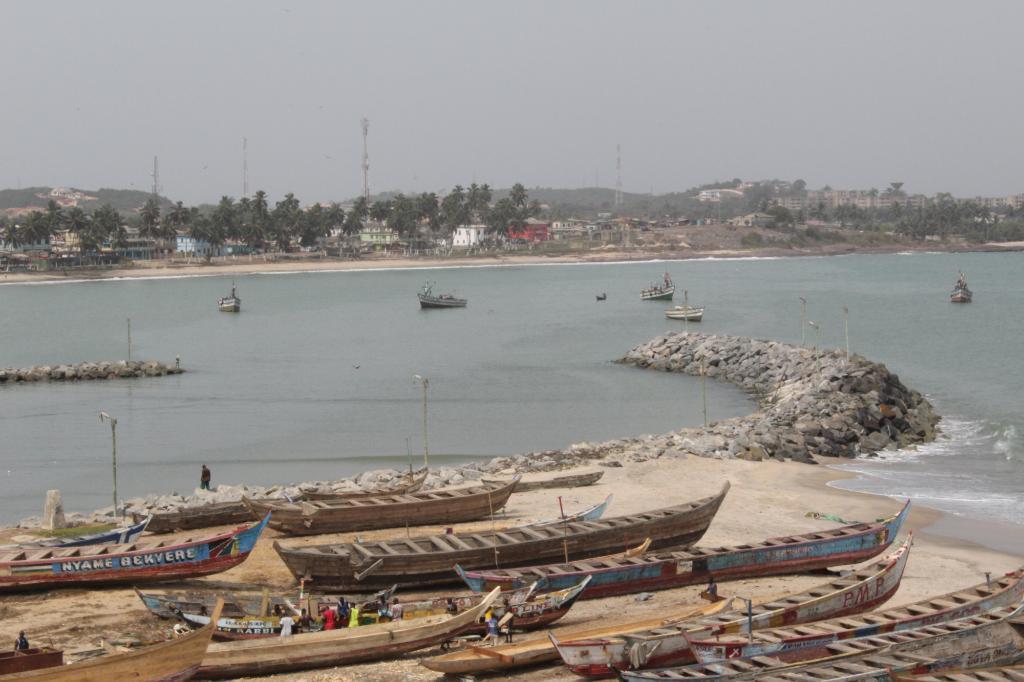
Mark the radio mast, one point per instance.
(156, 179)
(366, 160)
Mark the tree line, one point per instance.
(257, 224)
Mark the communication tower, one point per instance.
(156, 179)
(366, 160)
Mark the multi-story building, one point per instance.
(468, 235)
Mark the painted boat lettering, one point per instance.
(863, 593)
(162, 558)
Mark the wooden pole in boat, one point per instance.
(565, 529)
(803, 316)
(846, 331)
(408, 453)
(494, 531)
(686, 306)
(704, 389)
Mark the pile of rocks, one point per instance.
(121, 369)
(810, 403)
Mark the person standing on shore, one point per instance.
(286, 626)
(21, 644)
(204, 478)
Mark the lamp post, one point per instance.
(846, 331)
(803, 316)
(113, 446)
(817, 356)
(426, 450)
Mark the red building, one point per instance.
(531, 232)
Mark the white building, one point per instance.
(468, 235)
(718, 194)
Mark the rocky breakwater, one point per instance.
(811, 402)
(120, 369)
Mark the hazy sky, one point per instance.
(853, 94)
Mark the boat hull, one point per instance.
(849, 545)
(658, 295)
(362, 568)
(121, 564)
(434, 302)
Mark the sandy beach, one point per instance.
(767, 499)
(275, 264)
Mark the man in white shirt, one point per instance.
(286, 626)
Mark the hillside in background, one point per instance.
(124, 200)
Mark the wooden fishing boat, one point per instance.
(1012, 673)
(659, 292)
(177, 659)
(115, 536)
(428, 560)
(407, 484)
(854, 593)
(572, 481)
(137, 562)
(995, 631)
(392, 511)
(231, 303)
(29, 659)
(660, 571)
(172, 605)
(961, 294)
(336, 647)
(791, 644)
(591, 513)
(428, 299)
(201, 516)
(686, 312)
(541, 650)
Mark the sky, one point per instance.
(849, 94)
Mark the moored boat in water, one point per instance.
(428, 560)
(658, 571)
(146, 561)
(960, 293)
(854, 593)
(659, 292)
(392, 511)
(428, 299)
(230, 303)
(686, 312)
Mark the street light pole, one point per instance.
(426, 450)
(846, 331)
(817, 355)
(113, 445)
(803, 316)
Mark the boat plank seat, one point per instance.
(484, 542)
(388, 548)
(440, 544)
(532, 533)
(456, 540)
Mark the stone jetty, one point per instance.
(808, 403)
(120, 369)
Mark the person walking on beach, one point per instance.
(329, 619)
(204, 478)
(353, 616)
(492, 629)
(21, 644)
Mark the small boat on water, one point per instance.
(602, 297)
(961, 294)
(452, 505)
(686, 311)
(428, 299)
(115, 536)
(230, 304)
(659, 292)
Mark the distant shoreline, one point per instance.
(259, 265)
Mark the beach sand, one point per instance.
(767, 499)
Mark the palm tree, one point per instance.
(54, 217)
(106, 224)
(149, 219)
(79, 224)
(380, 210)
(12, 233)
(518, 195)
(225, 217)
(37, 228)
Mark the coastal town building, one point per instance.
(751, 220)
(719, 194)
(377, 236)
(468, 235)
(533, 231)
(200, 248)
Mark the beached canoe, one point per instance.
(177, 659)
(409, 483)
(1010, 673)
(570, 481)
(428, 560)
(798, 643)
(200, 516)
(24, 660)
(115, 536)
(854, 593)
(665, 570)
(170, 605)
(540, 650)
(996, 633)
(134, 563)
(426, 508)
(335, 647)
(591, 513)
